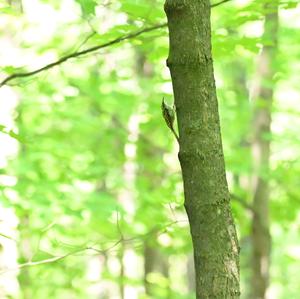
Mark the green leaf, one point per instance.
(10, 69)
(9, 11)
(87, 6)
(289, 4)
(11, 133)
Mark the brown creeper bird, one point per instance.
(168, 113)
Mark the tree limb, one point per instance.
(219, 3)
(80, 53)
(242, 202)
(90, 50)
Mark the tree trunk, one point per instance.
(201, 155)
(154, 260)
(262, 94)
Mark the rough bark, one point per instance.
(201, 154)
(262, 95)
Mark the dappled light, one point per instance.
(143, 157)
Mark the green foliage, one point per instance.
(87, 6)
(96, 172)
(11, 133)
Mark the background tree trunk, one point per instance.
(262, 95)
(201, 154)
(154, 260)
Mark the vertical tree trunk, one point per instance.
(154, 260)
(122, 271)
(201, 155)
(262, 95)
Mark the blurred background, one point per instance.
(90, 185)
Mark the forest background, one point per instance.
(91, 188)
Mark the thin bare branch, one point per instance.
(86, 40)
(80, 53)
(219, 3)
(90, 50)
(46, 261)
(242, 202)
(53, 259)
(7, 237)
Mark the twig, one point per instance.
(242, 202)
(46, 261)
(86, 40)
(86, 248)
(219, 3)
(7, 237)
(90, 50)
(80, 53)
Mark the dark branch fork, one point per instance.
(90, 50)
